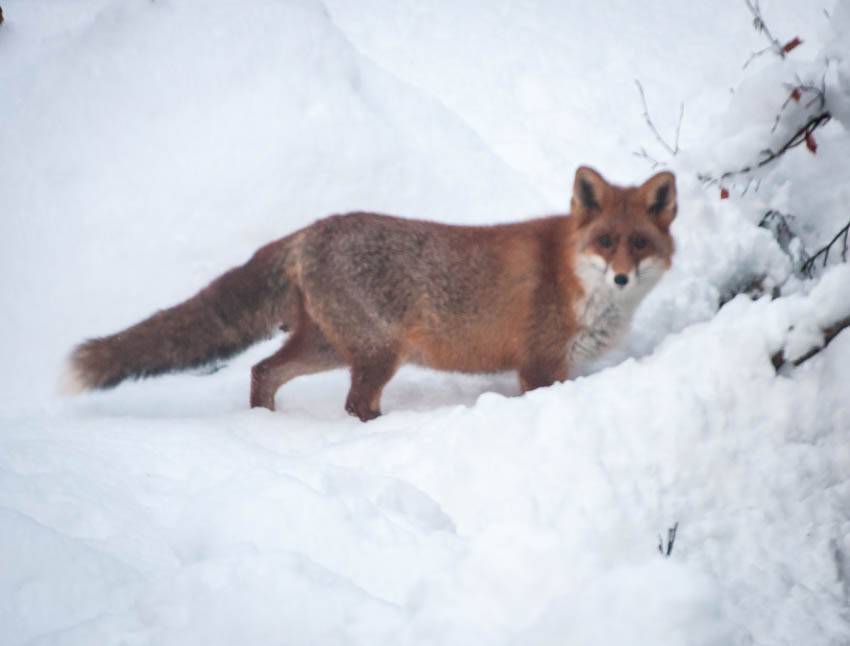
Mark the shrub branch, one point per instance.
(808, 267)
(674, 149)
(802, 135)
(829, 333)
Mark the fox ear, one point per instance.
(589, 192)
(658, 193)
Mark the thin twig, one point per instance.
(798, 137)
(796, 93)
(808, 267)
(755, 55)
(679, 124)
(760, 26)
(674, 149)
(645, 155)
(671, 538)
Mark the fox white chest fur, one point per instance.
(606, 310)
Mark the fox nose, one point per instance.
(621, 279)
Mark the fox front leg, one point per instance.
(368, 378)
(542, 372)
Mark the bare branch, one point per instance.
(645, 155)
(679, 125)
(797, 92)
(755, 55)
(760, 26)
(799, 137)
(671, 538)
(674, 149)
(808, 267)
(778, 223)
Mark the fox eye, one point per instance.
(605, 241)
(639, 243)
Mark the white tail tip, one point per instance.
(71, 382)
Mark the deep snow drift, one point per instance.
(148, 146)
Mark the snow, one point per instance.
(149, 146)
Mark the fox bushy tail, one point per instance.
(237, 309)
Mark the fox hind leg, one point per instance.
(305, 352)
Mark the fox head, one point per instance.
(623, 237)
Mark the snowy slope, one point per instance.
(148, 146)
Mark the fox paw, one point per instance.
(361, 410)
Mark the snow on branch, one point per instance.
(780, 225)
(800, 90)
(804, 134)
(809, 95)
(829, 333)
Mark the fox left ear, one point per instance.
(659, 195)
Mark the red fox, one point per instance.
(372, 292)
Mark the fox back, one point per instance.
(372, 292)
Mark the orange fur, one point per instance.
(373, 292)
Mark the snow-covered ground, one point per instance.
(147, 146)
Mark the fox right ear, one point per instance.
(659, 195)
(589, 192)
